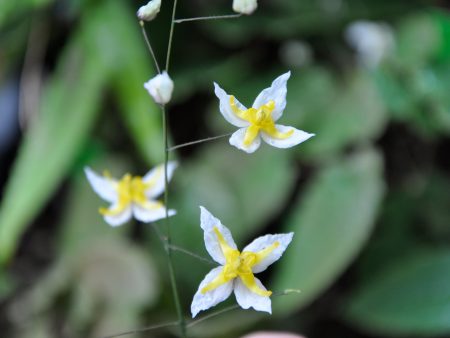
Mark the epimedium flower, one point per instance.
(245, 6)
(237, 269)
(149, 11)
(132, 195)
(160, 88)
(258, 122)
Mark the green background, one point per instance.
(368, 197)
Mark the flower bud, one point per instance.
(244, 6)
(160, 88)
(149, 11)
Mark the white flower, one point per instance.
(132, 195)
(149, 11)
(244, 6)
(372, 41)
(160, 88)
(237, 269)
(259, 121)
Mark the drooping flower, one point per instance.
(245, 6)
(160, 88)
(132, 195)
(237, 269)
(259, 121)
(149, 11)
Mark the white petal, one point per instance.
(104, 187)
(156, 178)
(118, 219)
(276, 92)
(160, 88)
(297, 137)
(209, 299)
(237, 140)
(247, 299)
(245, 6)
(225, 108)
(147, 216)
(207, 223)
(263, 242)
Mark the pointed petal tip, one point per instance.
(87, 170)
(194, 313)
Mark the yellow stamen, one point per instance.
(260, 120)
(240, 265)
(131, 190)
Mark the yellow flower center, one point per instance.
(240, 265)
(260, 119)
(131, 190)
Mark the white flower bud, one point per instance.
(149, 11)
(244, 6)
(160, 88)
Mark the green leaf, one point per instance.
(346, 113)
(13, 9)
(69, 108)
(418, 27)
(331, 223)
(411, 296)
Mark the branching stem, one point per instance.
(144, 329)
(213, 17)
(173, 281)
(172, 26)
(198, 141)
(190, 253)
(149, 46)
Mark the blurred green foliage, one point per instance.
(367, 197)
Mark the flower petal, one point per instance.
(207, 223)
(237, 140)
(211, 298)
(225, 108)
(247, 299)
(276, 92)
(297, 137)
(104, 187)
(263, 242)
(148, 215)
(155, 178)
(119, 219)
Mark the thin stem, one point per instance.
(198, 141)
(144, 329)
(173, 281)
(190, 253)
(172, 25)
(213, 17)
(161, 237)
(214, 314)
(236, 306)
(149, 46)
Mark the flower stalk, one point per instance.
(149, 46)
(172, 26)
(212, 17)
(173, 282)
(203, 140)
